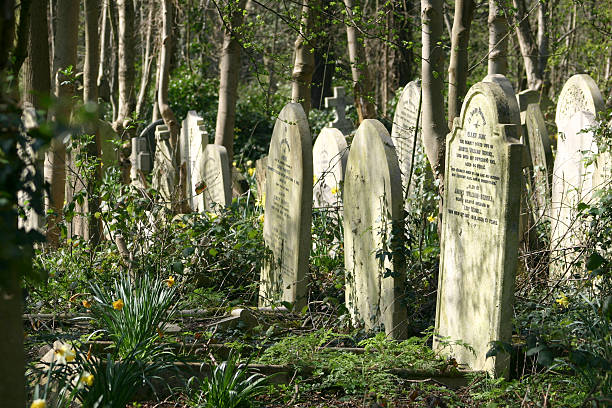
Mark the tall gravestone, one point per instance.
(329, 153)
(480, 228)
(373, 214)
(572, 181)
(216, 176)
(406, 131)
(288, 210)
(195, 146)
(163, 166)
(540, 156)
(339, 102)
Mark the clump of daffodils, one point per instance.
(64, 354)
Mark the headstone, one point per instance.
(329, 153)
(524, 99)
(143, 150)
(572, 181)
(195, 145)
(406, 131)
(541, 160)
(163, 166)
(216, 177)
(339, 102)
(480, 228)
(373, 214)
(260, 178)
(288, 210)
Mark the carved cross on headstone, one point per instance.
(339, 102)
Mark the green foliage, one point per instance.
(146, 305)
(229, 386)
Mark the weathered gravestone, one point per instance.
(143, 151)
(288, 210)
(193, 146)
(163, 166)
(524, 99)
(480, 228)
(536, 139)
(329, 153)
(216, 177)
(373, 214)
(339, 101)
(572, 180)
(406, 131)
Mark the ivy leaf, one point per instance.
(594, 261)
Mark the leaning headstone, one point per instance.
(163, 166)
(572, 181)
(406, 131)
(480, 229)
(524, 99)
(288, 210)
(329, 153)
(373, 214)
(217, 187)
(339, 102)
(536, 139)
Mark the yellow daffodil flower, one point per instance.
(251, 171)
(249, 163)
(563, 301)
(334, 190)
(87, 378)
(431, 218)
(261, 218)
(170, 281)
(118, 304)
(65, 354)
(39, 403)
(86, 304)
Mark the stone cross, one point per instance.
(373, 216)
(288, 210)
(479, 232)
(339, 102)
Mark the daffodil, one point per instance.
(563, 301)
(431, 218)
(86, 304)
(118, 304)
(170, 281)
(261, 218)
(249, 163)
(334, 190)
(251, 171)
(87, 378)
(64, 354)
(39, 403)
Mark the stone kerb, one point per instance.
(373, 218)
(288, 210)
(406, 131)
(217, 179)
(329, 153)
(480, 229)
(572, 181)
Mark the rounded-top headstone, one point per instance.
(215, 173)
(288, 210)
(480, 222)
(580, 93)
(406, 130)
(329, 154)
(373, 214)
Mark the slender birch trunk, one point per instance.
(229, 68)
(361, 77)
(147, 62)
(498, 40)
(527, 44)
(458, 67)
(542, 37)
(434, 128)
(304, 64)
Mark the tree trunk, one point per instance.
(434, 129)
(304, 63)
(147, 62)
(458, 67)
(542, 37)
(229, 67)
(498, 40)
(359, 70)
(23, 32)
(527, 43)
(37, 73)
(66, 36)
(103, 42)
